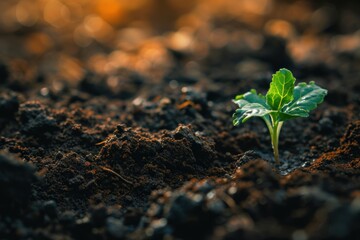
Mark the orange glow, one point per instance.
(70, 68)
(38, 43)
(346, 43)
(111, 11)
(8, 20)
(81, 37)
(149, 35)
(56, 13)
(310, 49)
(26, 13)
(97, 63)
(97, 28)
(256, 6)
(180, 40)
(280, 28)
(130, 39)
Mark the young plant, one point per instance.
(282, 102)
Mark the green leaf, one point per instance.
(248, 111)
(251, 97)
(250, 105)
(281, 89)
(306, 98)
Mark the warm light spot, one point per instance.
(81, 37)
(38, 43)
(57, 86)
(119, 59)
(259, 7)
(70, 68)
(26, 13)
(310, 49)
(302, 48)
(77, 10)
(141, 65)
(130, 39)
(112, 82)
(93, 23)
(111, 11)
(44, 91)
(56, 13)
(181, 40)
(153, 54)
(280, 28)
(97, 63)
(98, 28)
(346, 43)
(138, 101)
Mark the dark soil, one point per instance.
(132, 136)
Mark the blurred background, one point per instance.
(67, 39)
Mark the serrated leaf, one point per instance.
(281, 89)
(250, 105)
(306, 98)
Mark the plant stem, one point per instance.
(275, 140)
(274, 129)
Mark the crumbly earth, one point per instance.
(152, 154)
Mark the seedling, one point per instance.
(282, 102)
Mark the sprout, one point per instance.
(282, 102)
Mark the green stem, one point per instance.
(274, 129)
(275, 140)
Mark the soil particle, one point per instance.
(158, 157)
(16, 178)
(345, 159)
(36, 119)
(232, 209)
(9, 104)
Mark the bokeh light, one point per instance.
(144, 35)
